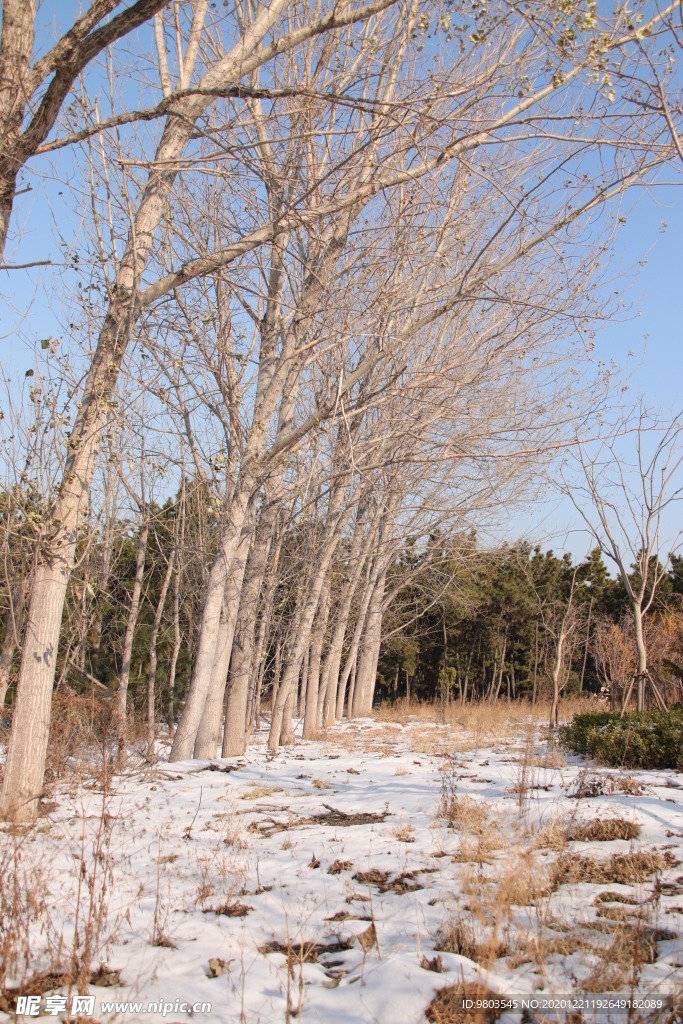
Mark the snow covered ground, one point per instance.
(350, 879)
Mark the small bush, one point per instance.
(648, 739)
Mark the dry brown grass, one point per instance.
(552, 837)
(480, 834)
(447, 1006)
(81, 737)
(603, 830)
(614, 897)
(65, 928)
(621, 868)
(522, 888)
(589, 783)
(462, 936)
(630, 946)
(256, 792)
(474, 724)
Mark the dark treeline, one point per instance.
(494, 618)
(459, 622)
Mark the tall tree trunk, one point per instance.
(16, 47)
(27, 750)
(210, 727)
(642, 674)
(242, 665)
(175, 652)
(258, 661)
(585, 646)
(311, 708)
(502, 665)
(13, 628)
(332, 702)
(366, 673)
(533, 696)
(151, 678)
(303, 684)
(122, 693)
(556, 673)
(209, 632)
(286, 730)
(310, 607)
(277, 672)
(352, 654)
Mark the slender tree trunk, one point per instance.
(311, 706)
(502, 665)
(258, 662)
(151, 678)
(16, 46)
(557, 672)
(209, 632)
(533, 696)
(463, 695)
(353, 650)
(13, 630)
(277, 673)
(352, 685)
(641, 675)
(307, 618)
(366, 672)
(27, 750)
(332, 704)
(122, 693)
(585, 648)
(210, 727)
(303, 685)
(242, 665)
(175, 652)
(286, 730)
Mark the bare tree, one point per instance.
(401, 140)
(32, 95)
(624, 502)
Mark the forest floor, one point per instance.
(380, 874)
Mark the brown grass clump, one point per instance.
(623, 869)
(614, 897)
(256, 792)
(337, 866)
(552, 836)
(503, 717)
(605, 978)
(447, 1006)
(460, 936)
(615, 913)
(631, 946)
(522, 883)
(372, 877)
(480, 835)
(80, 733)
(603, 830)
(589, 784)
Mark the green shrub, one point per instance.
(649, 739)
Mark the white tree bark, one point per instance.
(311, 703)
(124, 677)
(210, 729)
(152, 675)
(13, 631)
(366, 672)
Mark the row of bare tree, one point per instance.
(338, 261)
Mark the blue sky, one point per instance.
(651, 329)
